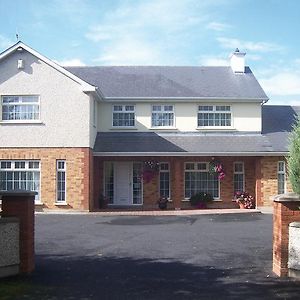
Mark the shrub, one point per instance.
(200, 197)
(294, 158)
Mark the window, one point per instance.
(238, 177)
(281, 177)
(123, 116)
(137, 197)
(214, 116)
(164, 180)
(109, 181)
(162, 116)
(20, 174)
(20, 108)
(198, 179)
(61, 181)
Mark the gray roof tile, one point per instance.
(160, 81)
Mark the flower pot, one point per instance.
(241, 205)
(201, 205)
(162, 205)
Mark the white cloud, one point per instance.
(218, 26)
(130, 52)
(282, 84)
(73, 62)
(5, 42)
(213, 61)
(230, 43)
(150, 32)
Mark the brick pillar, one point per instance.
(20, 204)
(286, 211)
(177, 187)
(258, 183)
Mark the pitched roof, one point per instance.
(172, 82)
(277, 123)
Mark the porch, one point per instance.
(120, 182)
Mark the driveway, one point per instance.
(147, 257)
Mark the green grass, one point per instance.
(13, 288)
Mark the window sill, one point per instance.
(21, 122)
(215, 200)
(61, 204)
(123, 128)
(216, 128)
(163, 128)
(38, 203)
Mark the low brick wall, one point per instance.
(9, 247)
(286, 211)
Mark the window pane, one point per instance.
(20, 108)
(196, 182)
(26, 179)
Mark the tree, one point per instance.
(294, 158)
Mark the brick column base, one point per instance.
(286, 211)
(20, 204)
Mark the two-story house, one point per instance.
(131, 135)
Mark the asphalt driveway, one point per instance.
(147, 257)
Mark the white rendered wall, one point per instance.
(246, 116)
(64, 108)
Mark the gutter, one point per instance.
(182, 154)
(190, 99)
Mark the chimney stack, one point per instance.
(237, 61)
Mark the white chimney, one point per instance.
(237, 61)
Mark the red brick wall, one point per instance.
(284, 214)
(269, 186)
(79, 165)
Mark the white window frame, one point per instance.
(26, 168)
(61, 170)
(162, 111)
(165, 171)
(197, 169)
(124, 111)
(239, 173)
(281, 172)
(21, 104)
(94, 113)
(214, 109)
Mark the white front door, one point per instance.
(123, 183)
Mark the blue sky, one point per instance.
(164, 32)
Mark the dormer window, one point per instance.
(214, 116)
(20, 108)
(123, 116)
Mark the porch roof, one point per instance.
(149, 143)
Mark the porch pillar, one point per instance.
(258, 184)
(177, 191)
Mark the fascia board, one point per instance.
(128, 154)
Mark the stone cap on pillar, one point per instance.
(295, 224)
(17, 193)
(288, 197)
